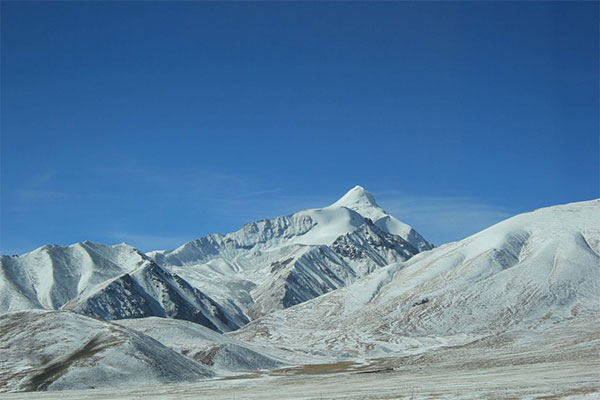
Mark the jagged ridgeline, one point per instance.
(363, 286)
(219, 281)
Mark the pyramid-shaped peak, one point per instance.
(356, 198)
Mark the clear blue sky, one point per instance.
(155, 122)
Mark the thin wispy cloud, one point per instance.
(43, 189)
(235, 198)
(223, 202)
(37, 188)
(150, 242)
(269, 205)
(184, 180)
(442, 219)
(238, 199)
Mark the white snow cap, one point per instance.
(356, 198)
(360, 200)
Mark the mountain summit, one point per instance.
(531, 273)
(357, 198)
(219, 281)
(279, 262)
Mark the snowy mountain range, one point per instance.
(219, 281)
(347, 282)
(531, 271)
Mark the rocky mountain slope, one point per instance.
(524, 291)
(55, 350)
(107, 282)
(225, 356)
(219, 281)
(276, 263)
(152, 291)
(51, 276)
(533, 270)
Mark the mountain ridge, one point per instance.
(531, 271)
(230, 277)
(368, 299)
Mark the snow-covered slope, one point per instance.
(531, 270)
(55, 350)
(535, 274)
(221, 354)
(319, 226)
(321, 269)
(107, 282)
(219, 281)
(273, 264)
(51, 276)
(152, 291)
(363, 202)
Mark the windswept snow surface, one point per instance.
(554, 363)
(55, 350)
(532, 270)
(222, 354)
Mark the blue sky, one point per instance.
(155, 123)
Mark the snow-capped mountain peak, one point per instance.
(531, 272)
(357, 199)
(266, 265)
